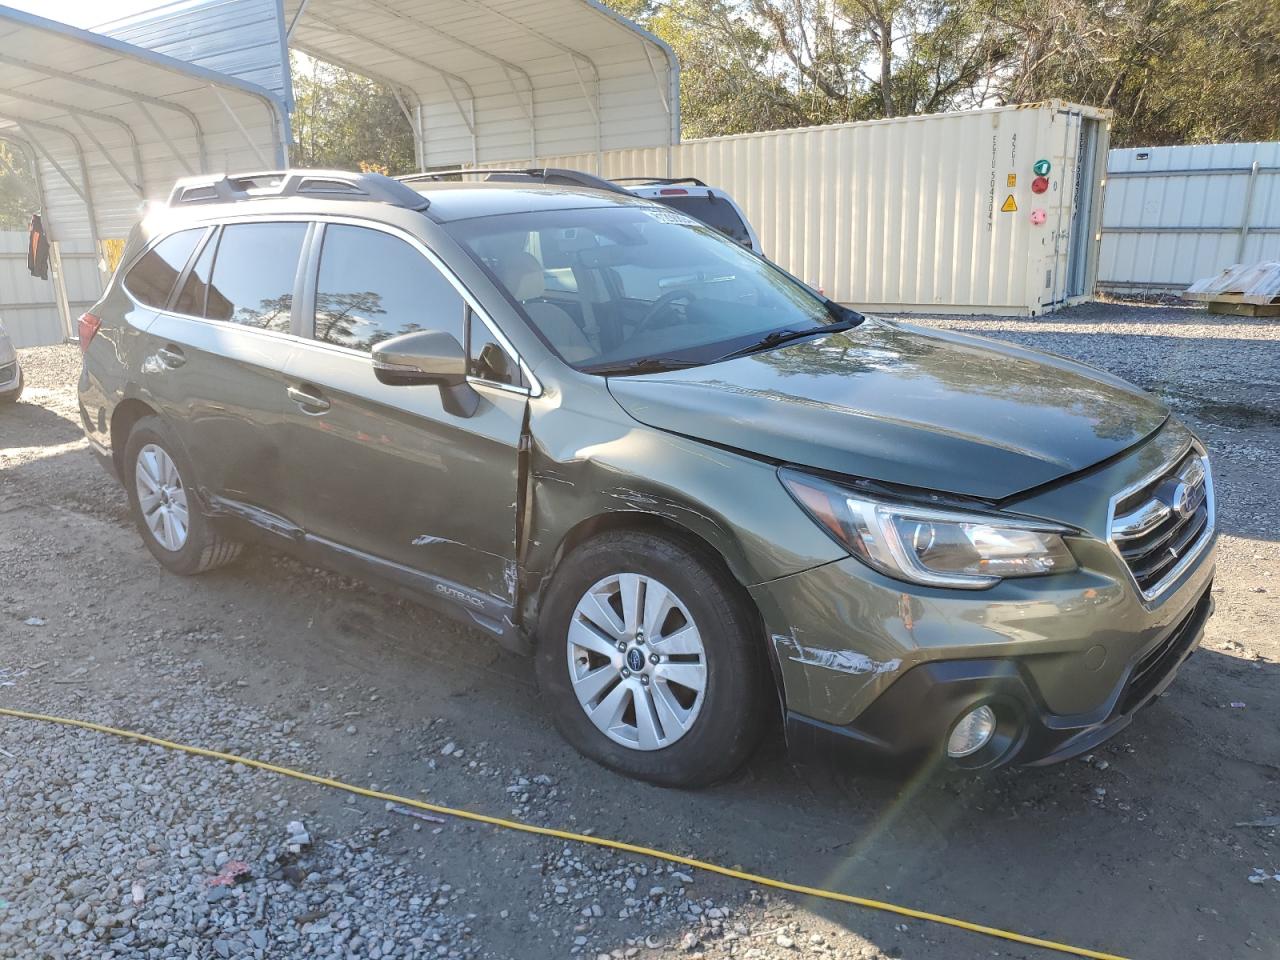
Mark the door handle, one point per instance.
(171, 356)
(311, 403)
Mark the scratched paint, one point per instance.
(842, 661)
(426, 540)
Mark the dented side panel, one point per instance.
(590, 460)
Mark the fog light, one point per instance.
(972, 733)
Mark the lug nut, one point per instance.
(644, 679)
(625, 673)
(655, 659)
(622, 646)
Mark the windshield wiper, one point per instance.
(783, 336)
(643, 365)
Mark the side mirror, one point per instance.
(431, 358)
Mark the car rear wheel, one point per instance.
(650, 661)
(166, 510)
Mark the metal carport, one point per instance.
(503, 80)
(110, 125)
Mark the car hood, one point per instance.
(891, 402)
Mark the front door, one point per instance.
(387, 471)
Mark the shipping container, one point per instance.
(937, 213)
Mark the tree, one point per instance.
(343, 121)
(18, 195)
(1173, 71)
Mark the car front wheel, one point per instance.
(166, 510)
(651, 661)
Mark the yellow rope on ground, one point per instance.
(756, 879)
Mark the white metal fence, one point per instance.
(29, 305)
(1173, 215)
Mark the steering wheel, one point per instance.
(662, 304)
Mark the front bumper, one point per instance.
(10, 375)
(912, 719)
(875, 665)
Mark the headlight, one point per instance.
(940, 548)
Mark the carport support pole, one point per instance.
(422, 140)
(60, 290)
(85, 192)
(1248, 212)
(55, 261)
(55, 253)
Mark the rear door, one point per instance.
(386, 471)
(217, 370)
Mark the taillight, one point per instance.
(88, 328)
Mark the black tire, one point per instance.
(736, 702)
(204, 549)
(11, 396)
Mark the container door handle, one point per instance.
(311, 403)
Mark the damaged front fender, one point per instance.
(597, 466)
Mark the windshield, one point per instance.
(639, 285)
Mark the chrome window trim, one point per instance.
(535, 385)
(1161, 587)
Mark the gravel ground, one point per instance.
(108, 848)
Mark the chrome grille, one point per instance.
(1160, 525)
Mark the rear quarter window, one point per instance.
(151, 279)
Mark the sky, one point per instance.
(84, 13)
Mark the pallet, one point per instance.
(1236, 308)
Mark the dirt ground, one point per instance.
(1137, 850)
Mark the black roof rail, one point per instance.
(274, 184)
(658, 180)
(552, 175)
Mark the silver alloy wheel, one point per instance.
(636, 661)
(162, 497)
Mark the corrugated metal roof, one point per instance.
(113, 124)
(490, 80)
(1243, 283)
(239, 38)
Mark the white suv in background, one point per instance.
(691, 196)
(10, 372)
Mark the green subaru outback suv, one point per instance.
(697, 492)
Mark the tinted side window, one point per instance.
(488, 359)
(151, 279)
(191, 300)
(373, 286)
(253, 274)
(714, 212)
